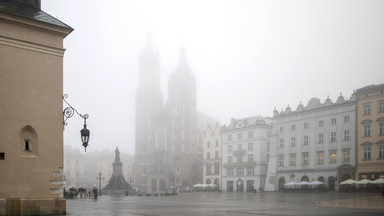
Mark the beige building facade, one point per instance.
(31, 117)
(212, 156)
(370, 132)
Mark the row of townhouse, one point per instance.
(328, 142)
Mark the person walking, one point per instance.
(94, 190)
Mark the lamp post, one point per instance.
(99, 178)
(173, 187)
(68, 113)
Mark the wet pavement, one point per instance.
(212, 203)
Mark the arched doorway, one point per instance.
(153, 184)
(320, 179)
(208, 181)
(305, 178)
(281, 183)
(217, 182)
(345, 177)
(163, 186)
(331, 183)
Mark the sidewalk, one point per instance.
(373, 202)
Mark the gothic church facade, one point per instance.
(167, 149)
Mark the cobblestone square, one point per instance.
(267, 203)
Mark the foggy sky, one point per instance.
(248, 56)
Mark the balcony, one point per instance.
(239, 153)
(239, 164)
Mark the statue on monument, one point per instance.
(117, 183)
(117, 154)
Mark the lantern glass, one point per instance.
(85, 136)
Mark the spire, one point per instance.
(149, 43)
(183, 65)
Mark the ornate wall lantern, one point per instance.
(68, 113)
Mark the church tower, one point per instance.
(182, 129)
(149, 105)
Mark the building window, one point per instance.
(281, 129)
(77, 162)
(292, 159)
(333, 121)
(208, 144)
(305, 158)
(346, 155)
(239, 147)
(250, 158)
(367, 130)
(230, 159)
(229, 137)
(321, 123)
(305, 125)
(208, 155)
(216, 154)
(293, 141)
(217, 143)
(320, 157)
(239, 171)
(293, 127)
(240, 136)
(217, 168)
(332, 156)
(250, 171)
(27, 145)
(381, 128)
(367, 109)
(239, 159)
(208, 169)
(250, 134)
(250, 146)
(230, 149)
(321, 138)
(346, 119)
(281, 160)
(367, 153)
(306, 140)
(230, 171)
(281, 145)
(380, 152)
(333, 136)
(346, 135)
(381, 106)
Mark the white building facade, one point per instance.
(212, 156)
(244, 154)
(316, 142)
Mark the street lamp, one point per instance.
(100, 178)
(173, 187)
(68, 113)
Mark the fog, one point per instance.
(248, 57)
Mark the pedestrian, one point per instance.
(94, 190)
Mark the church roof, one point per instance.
(29, 12)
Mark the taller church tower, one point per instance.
(149, 104)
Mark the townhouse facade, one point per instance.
(244, 154)
(313, 143)
(370, 132)
(212, 156)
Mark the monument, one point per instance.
(117, 184)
